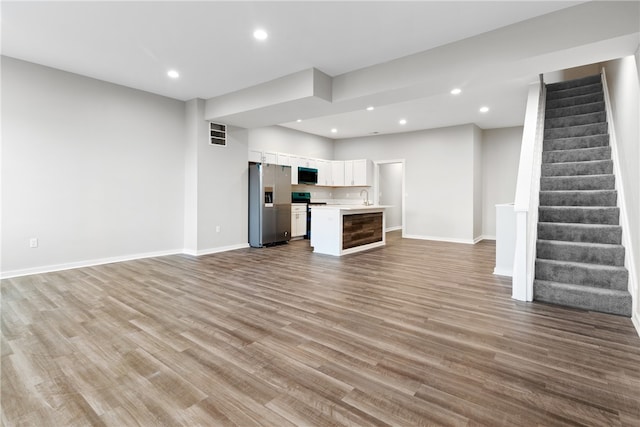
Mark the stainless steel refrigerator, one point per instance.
(269, 204)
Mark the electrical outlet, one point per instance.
(217, 228)
(33, 242)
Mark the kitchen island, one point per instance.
(343, 229)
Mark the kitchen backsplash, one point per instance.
(344, 195)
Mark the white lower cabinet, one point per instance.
(298, 219)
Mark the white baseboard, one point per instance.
(635, 319)
(86, 263)
(398, 227)
(221, 249)
(440, 239)
(503, 272)
(110, 260)
(487, 237)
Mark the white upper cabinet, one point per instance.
(358, 173)
(263, 157)
(362, 173)
(337, 173)
(284, 159)
(331, 173)
(324, 172)
(307, 163)
(348, 173)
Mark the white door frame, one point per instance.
(376, 186)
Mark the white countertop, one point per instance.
(350, 207)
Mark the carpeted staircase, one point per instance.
(580, 259)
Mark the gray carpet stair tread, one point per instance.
(590, 233)
(585, 274)
(595, 299)
(572, 110)
(579, 198)
(591, 167)
(583, 182)
(595, 253)
(577, 155)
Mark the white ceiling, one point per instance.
(211, 45)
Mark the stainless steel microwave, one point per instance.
(307, 175)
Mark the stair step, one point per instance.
(588, 233)
(583, 297)
(574, 131)
(576, 142)
(574, 91)
(580, 214)
(574, 100)
(568, 84)
(573, 183)
(577, 120)
(592, 253)
(579, 198)
(573, 110)
(594, 167)
(577, 273)
(577, 155)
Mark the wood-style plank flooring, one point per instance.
(416, 333)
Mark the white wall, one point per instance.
(622, 81)
(500, 160)
(439, 201)
(216, 190)
(285, 140)
(223, 198)
(94, 170)
(477, 184)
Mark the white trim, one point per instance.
(397, 227)
(502, 272)
(440, 239)
(86, 263)
(624, 218)
(486, 237)
(220, 249)
(111, 260)
(635, 319)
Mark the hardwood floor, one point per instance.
(416, 333)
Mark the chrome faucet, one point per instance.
(366, 200)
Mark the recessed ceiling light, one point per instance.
(403, 121)
(484, 109)
(456, 91)
(334, 130)
(173, 74)
(260, 34)
(299, 120)
(370, 108)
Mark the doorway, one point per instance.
(389, 184)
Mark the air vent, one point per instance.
(217, 134)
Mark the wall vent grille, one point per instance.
(217, 134)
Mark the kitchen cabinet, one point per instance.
(307, 163)
(284, 159)
(258, 156)
(331, 173)
(358, 173)
(324, 172)
(337, 173)
(298, 219)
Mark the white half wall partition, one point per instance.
(527, 194)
